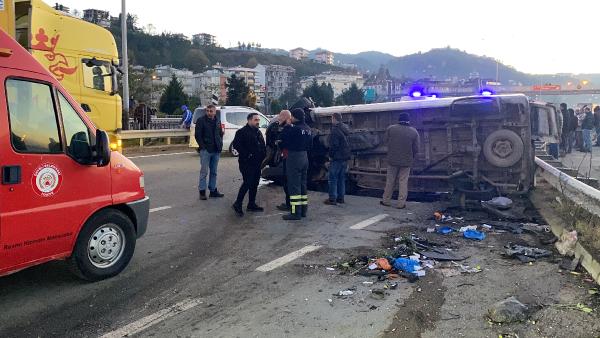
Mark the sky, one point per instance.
(534, 36)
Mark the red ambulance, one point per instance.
(64, 194)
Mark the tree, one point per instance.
(196, 60)
(252, 62)
(173, 97)
(322, 94)
(275, 107)
(237, 91)
(289, 96)
(352, 95)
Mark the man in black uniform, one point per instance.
(250, 145)
(297, 140)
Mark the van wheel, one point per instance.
(233, 152)
(104, 246)
(503, 148)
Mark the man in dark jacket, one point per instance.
(297, 141)
(339, 154)
(597, 124)
(250, 145)
(587, 125)
(209, 136)
(403, 145)
(275, 153)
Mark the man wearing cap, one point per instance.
(403, 145)
(186, 117)
(297, 140)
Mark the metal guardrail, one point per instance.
(167, 134)
(580, 193)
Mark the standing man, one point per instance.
(209, 136)
(276, 153)
(573, 124)
(250, 144)
(403, 145)
(565, 128)
(297, 140)
(597, 124)
(339, 154)
(587, 125)
(186, 117)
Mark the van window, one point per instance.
(264, 123)
(97, 76)
(237, 117)
(33, 123)
(77, 135)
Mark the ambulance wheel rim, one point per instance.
(106, 246)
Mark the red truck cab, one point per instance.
(63, 194)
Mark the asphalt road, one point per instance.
(199, 255)
(200, 271)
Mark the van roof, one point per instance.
(17, 57)
(411, 105)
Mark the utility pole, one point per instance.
(125, 63)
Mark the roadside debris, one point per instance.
(502, 203)
(474, 234)
(508, 311)
(525, 254)
(345, 293)
(566, 243)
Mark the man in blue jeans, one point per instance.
(339, 154)
(209, 136)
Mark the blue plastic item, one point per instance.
(445, 230)
(405, 264)
(474, 234)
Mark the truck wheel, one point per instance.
(503, 148)
(104, 246)
(233, 152)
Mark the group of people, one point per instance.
(290, 140)
(588, 121)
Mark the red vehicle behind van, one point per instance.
(64, 194)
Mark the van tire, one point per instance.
(112, 225)
(503, 148)
(233, 152)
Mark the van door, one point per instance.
(49, 187)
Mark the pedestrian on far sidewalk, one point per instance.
(297, 139)
(597, 124)
(186, 117)
(587, 125)
(209, 136)
(402, 142)
(339, 154)
(250, 145)
(573, 124)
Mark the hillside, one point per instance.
(366, 61)
(445, 63)
(173, 49)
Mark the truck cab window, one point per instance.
(97, 76)
(77, 135)
(33, 123)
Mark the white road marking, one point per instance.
(287, 258)
(158, 155)
(160, 208)
(367, 222)
(153, 319)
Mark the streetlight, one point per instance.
(154, 77)
(125, 61)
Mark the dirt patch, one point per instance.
(421, 310)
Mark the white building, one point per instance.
(99, 17)
(299, 54)
(163, 76)
(338, 81)
(204, 39)
(325, 57)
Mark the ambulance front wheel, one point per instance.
(104, 246)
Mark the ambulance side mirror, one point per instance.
(102, 148)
